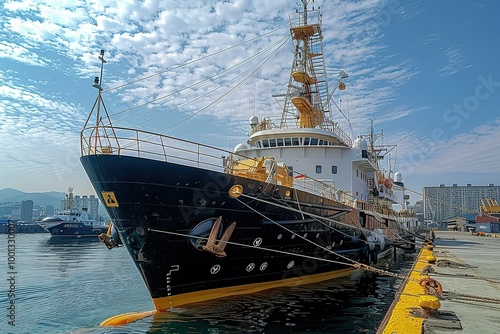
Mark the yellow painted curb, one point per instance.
(401, 320)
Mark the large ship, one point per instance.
(299, 202)
(73, 222)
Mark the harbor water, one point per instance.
(70, 286)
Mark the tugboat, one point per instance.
(73, 222)
(299, 202)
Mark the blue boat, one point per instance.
(73, 222)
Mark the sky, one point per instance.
(426, 72)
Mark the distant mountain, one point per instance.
(9, 192)
(9, 195)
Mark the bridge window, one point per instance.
(265, 143)
(280, 141)
(296, 141)
(272, 142)
(320, 142)
(306, 141)
(334, 169)
(314, 141)
(288, 141)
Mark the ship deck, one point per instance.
(468, 271)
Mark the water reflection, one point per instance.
(63, 254)
(70, 286)
(345, 305)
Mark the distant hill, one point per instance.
(9, 195)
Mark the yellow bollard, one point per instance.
(429, 305)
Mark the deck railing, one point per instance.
(108, 140)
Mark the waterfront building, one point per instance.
(89, 203)
(445, 202)
(49, 210)
(93, 207)
(26, 211)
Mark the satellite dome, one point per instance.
(398, 177)
(360, 143)
(240, 147)
(254, 120)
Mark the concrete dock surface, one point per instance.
(467, 268)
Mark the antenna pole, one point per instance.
(98, 84)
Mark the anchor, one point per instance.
(218, 249)
(110, 238)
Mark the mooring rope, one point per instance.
(312, 215)
(257, 247)
(294, 233)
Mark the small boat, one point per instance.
(73, 222)
(299, 202)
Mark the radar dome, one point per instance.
(398, 177)
(360, 143)
(254, 120)
(240, 147)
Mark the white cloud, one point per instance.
(467, 152)
(455, 62)
(144, 37)
(20, 54)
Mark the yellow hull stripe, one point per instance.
(123, 319)
(164, 303)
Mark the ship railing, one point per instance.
(335, 128)
(313, 186)
(366, 206)
(327, 124)
(298, 19)
(150, 145)
(111, 140)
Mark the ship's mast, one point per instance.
(307, 101)
(98, 84)
(377, 152)
(102, 133)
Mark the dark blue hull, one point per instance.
(76, 230)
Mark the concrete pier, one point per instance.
(468, 268)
